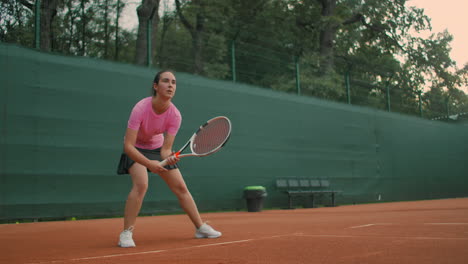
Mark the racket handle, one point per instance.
(163, 163)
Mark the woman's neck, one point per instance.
(160, 105)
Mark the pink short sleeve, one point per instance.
(136, 117)
(174, 122)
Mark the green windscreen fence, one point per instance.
(63, 119)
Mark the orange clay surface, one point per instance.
(426, 232)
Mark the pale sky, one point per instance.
(451, 15)
(129, 17)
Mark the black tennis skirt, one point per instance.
(153, 154)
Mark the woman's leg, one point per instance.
(135, 198)
(176, 183)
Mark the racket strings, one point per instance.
(212, 136)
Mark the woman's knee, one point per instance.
(139, 176)
(140, 188)
(176, 182)
(180, 189)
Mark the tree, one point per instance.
(48, 12)
(16, 24)
(264, 41)
(147, 17)
(167, 20)
(196, 30)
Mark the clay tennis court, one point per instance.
(404, 232)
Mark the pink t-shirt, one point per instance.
(151, 126)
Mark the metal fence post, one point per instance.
(388, 98)
(298, 76)
(116, 55)
(148, 40)
(348, 88)
(447, 106)
(37, 22)
(420, 103)
(233, 60)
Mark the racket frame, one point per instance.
(190, 142)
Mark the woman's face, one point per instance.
(166, 87)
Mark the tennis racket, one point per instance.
(208, 139)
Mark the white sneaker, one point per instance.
(206, 231)
(126, 239)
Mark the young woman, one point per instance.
(152, 127)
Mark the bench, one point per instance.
(308, 187)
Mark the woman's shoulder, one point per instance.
(174, 109)
(141, 106)
(143, 103)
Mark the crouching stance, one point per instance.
(152, 127)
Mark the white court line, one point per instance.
(99, 257)
(367, 225)
(162, 250)
(386, 237)
(446, 223)
(244, 241)
(360, 226)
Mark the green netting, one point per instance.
(62, 122)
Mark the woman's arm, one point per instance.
(166, 149)
(134, 154)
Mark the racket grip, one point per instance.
(163, 163)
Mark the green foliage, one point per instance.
(16, 24)
(372, 42)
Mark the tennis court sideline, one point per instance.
(427, 232)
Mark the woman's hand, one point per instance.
(172, 159)
(155, 167)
